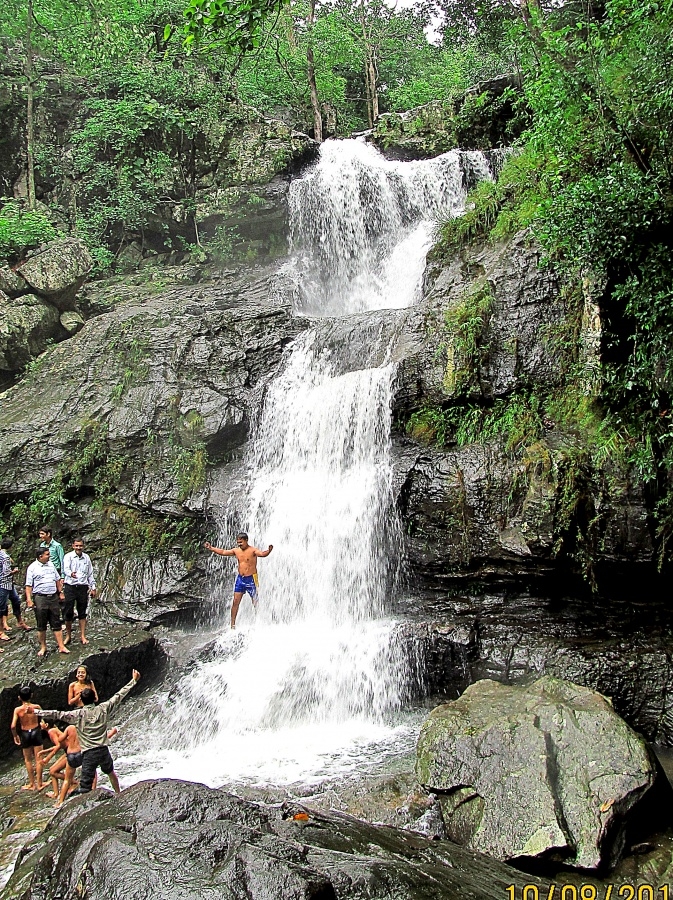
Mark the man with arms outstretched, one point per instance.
(246, 580)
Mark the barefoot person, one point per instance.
(8, 593)
(246, 580)
(27, 734)
(81, 682)
(91, 723)
(73, 750)
(80, 584)
(56, 770)
(44, 589)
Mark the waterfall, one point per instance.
(316, 677)
(361, 225)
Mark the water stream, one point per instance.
(315, 682)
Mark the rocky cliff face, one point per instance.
(140, 408)
(486, 346)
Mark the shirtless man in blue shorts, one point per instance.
(246, 580)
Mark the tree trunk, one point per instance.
(315, 102)
(373, 90)
(368, 94)
(30, 124)
(310, 71)
(370, 71)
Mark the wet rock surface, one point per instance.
(177, 839)
(478, 511)
(191, 355)
(525, 303)
(155, 590)
(618, 645)
(481, 510)
(531, 771)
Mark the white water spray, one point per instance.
(313, 682)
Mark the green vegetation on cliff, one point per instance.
(592, 177)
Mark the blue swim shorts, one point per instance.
(246, 584)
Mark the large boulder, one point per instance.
(618, 644)
(27, 325)
(489, 114)
(419, 133)
(527, 772)
(57, 270)
(172, 839)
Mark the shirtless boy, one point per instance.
(55, 771)
(246, 580)
(27, 734)
(67, 740)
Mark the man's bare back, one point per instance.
(28, 717)
(71, 739)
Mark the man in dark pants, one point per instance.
(79, 585)
(44, 589)
(8, 592)
(91, 722)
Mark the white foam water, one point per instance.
(313, 682)
(361, 224)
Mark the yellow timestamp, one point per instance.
(589, 892)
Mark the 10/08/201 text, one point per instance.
(589, 892)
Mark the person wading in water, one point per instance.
(246, 580)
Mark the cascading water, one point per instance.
(361, 225)
(317, 675)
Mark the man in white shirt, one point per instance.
(44, 588)
(79, 585)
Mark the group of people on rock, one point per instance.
(56, 585)
(83, 742)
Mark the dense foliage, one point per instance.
(160, 84)
(593, 179)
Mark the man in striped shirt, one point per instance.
(8, 593)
